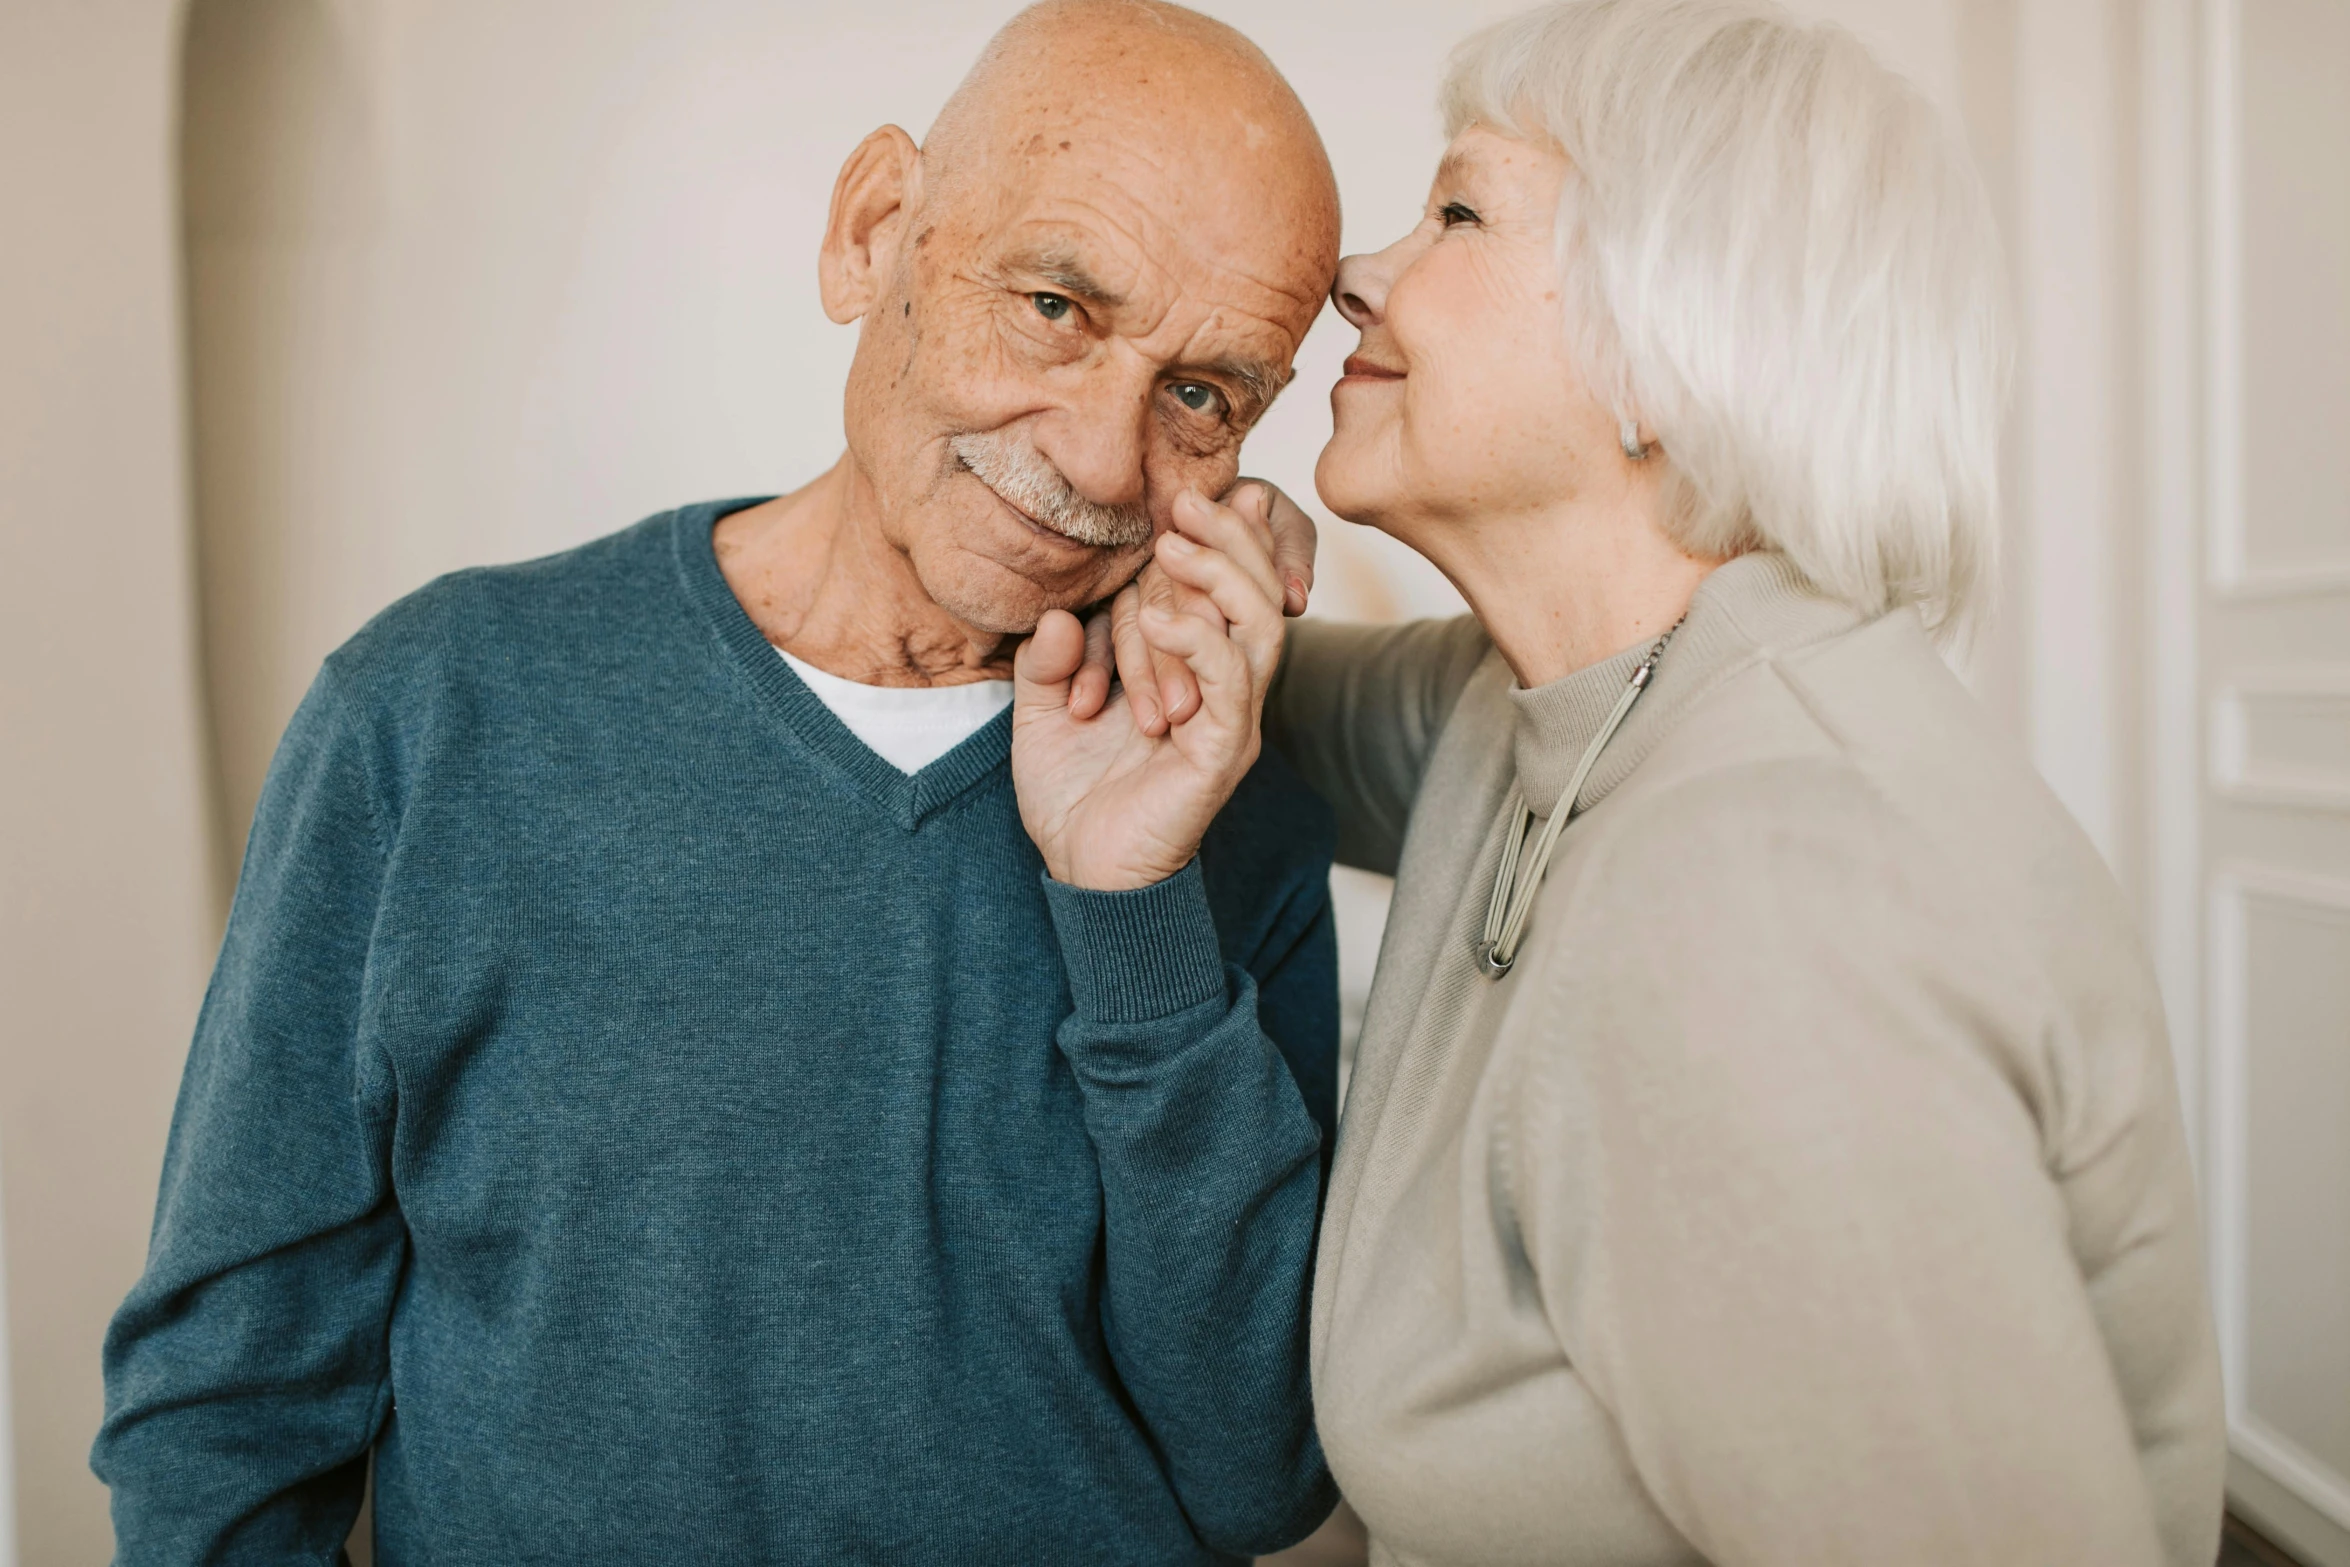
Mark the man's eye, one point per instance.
(1050, 306)
(1454, 212)
(1194, 396)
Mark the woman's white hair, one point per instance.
(1780, 261)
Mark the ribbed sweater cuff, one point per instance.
(1137, 955)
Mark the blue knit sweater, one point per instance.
(662, 1132)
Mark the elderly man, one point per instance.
(651, 1098)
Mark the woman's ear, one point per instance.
(869, 205)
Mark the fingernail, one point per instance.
(1176, 541)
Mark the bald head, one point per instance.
(1182, 83)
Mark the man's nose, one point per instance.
(1098, 438)
(1361, 290)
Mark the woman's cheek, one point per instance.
(1441, 443)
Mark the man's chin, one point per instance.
(1008, 598)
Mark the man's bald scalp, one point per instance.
(1047, 62)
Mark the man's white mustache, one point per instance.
(1017, 472)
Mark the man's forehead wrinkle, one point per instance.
(1138, 116)
(1134, 249)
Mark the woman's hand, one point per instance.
(1111, 806)
(1160, 689)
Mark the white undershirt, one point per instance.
(908, 727)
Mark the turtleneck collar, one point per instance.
(1748, 608)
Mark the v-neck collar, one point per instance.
(906, 799)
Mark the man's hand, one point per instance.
(1160, 689)
(1110, 806)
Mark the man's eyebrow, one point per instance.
(1065, 272)
(1260, 381)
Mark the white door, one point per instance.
(2270, 672)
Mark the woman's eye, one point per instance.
(1192, 395)
(1050, 306)
(1453, 212)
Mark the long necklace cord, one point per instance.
(1512, 902)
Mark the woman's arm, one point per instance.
(1357, 711)
(1781, 1167)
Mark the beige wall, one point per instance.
(469, 283)
(105, 911)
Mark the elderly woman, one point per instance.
(1763, 1145)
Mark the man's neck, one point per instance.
(815, 574)
(1575, 585)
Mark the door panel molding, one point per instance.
(2277, 1456)
(2275, 582)
(2258, 759)
(2236, 889)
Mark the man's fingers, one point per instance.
(1228, 687)
(1178, 690)
(1041, 670)
(1223, 529)
(1252, 500)
(1089, 688)
(1174, 692)
(1246, 608)
(1295, 538)
(1137, 668)
(1231, 593)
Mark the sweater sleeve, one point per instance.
(1781, 1170)
(1357, 711)
(247, 1374)
(1210, 1189)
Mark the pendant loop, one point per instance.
(1491, 966)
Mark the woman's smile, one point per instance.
(1360, 367)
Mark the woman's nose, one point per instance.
(1361, 290)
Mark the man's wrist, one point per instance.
(1127, 872)
(1138, 953)
(1112, 878)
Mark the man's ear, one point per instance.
(869, 205)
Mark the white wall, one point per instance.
(472, 282)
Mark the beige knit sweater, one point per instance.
(1813, 1191)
